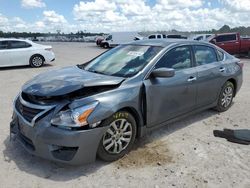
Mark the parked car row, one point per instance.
(233, 43)
(163, 36)
(15, 52)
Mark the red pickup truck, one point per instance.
(231, 43)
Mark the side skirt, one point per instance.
(144, 129)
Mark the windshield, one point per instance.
(123, 61)
(109, 37)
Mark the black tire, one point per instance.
(105, 45)
(106, 155)
(248, 54)
(223, 106)
(37, 61)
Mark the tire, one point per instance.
(226, 97)
(106, 45)
(36, 61)
(248, 55)
(123, 141)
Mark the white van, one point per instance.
(118, 38)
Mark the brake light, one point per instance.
(241, 64)
(48, 49)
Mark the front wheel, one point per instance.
(226, 97)
(119, 138)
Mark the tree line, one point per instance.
(80, 34)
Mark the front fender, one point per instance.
(112, 101)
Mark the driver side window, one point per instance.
(177, 58)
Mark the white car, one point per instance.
(15, 52)
(157, 36)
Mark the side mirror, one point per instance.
(163, 73)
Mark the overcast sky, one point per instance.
(121, 15)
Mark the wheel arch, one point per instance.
(138, 118)
(234, 82)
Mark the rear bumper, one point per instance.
(49, 56)
(52, 143)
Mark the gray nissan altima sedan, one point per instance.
(74, 114)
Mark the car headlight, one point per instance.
(74, 118)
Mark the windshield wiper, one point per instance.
(95, 71)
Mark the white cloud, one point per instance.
(130, 15)
(3, 21)
(237, 5)
(51, 17)
(177, 4)
(33, 3)
(51, 22)
(12, 24)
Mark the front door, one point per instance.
(169, 97)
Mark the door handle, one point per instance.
(191, 79)
(222, 69)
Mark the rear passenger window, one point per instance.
(151, 37)
(177, 58)
(164, 36)
(3, 45)
(159, 36)
(225, 38)
(19, 44)
(204, 55)
(220, 55)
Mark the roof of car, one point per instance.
(167, 42)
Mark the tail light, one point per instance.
(48, 49)
(241, 64)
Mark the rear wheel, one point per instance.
(249, 54)
(119, 138)
(36, 61)
(106, 45)
(226, 97)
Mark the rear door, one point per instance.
(21, 52)
(169, 97)
(5, 57)
(229, 43)
(209, 75)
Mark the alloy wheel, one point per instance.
(37, 61)
(227, 97)
(118, 136)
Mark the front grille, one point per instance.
(26, 112)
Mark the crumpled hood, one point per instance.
(66, 80)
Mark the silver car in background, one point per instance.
(17, 52)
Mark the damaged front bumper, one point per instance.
(49, 142)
